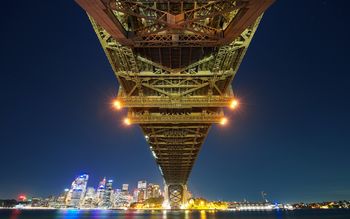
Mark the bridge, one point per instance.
(175, 61)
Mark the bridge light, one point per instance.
(127, 121)
(223, 121)
(154, 155)
(234, 104)
(117, 104)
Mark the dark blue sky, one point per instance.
(290, 137)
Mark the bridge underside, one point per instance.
(175, 148)
(174, 61)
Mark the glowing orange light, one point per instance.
(127, 121)
(223, 121)
(117, 104)
(234, 104)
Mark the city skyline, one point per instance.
(104, 195)
(146, 196)
(139, 194)
(289, 137)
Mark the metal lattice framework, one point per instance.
(174, 61)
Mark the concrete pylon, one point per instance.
(176, 195)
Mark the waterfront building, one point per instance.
(142, 184)
(89, 198)
(37, 202)
(106, 202)
(61, 199)
(125, 187)
(121, 199)
(135, 195)
(141, 196)
(76, 193)
(100, 192)
(142, 191)
(52, 201)
(253, 206)
(153, 191)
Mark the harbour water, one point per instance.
(134, 214)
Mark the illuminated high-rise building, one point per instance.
(89, 198)
(141, 196)
(125, 188)
(121, 199)
(90, 192)
(153, 191)
(100, 192)
(106, 201)
(142, 190)
(142, 184)
(135, 195)
(61, 199)
(76, 193)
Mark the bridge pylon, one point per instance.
(176, 195)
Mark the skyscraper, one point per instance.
(153, 191)
(89, 198)
(121, 199)
(142, 184)
(135, 195)
(61, 199)
(125, 187)
(106, 202)
(142, 193)
(76, 193)
(100, 192)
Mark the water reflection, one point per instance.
(69, 214)
(129, 214)
(15, 213)
(154, 214)
(187, 212)
(169, 214)
(165, 214)
(203, 214)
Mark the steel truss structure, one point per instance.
(175, 61)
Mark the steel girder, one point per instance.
(174, 61)
(175, 147)
(171, 23)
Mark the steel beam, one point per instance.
(175, 63)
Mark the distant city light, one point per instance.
(148, 196)
(127, 121)
(223, 121)
(117, 104)
(22, 197)
(234, 104)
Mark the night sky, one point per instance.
(289, 138)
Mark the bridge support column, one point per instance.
(176, 195)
